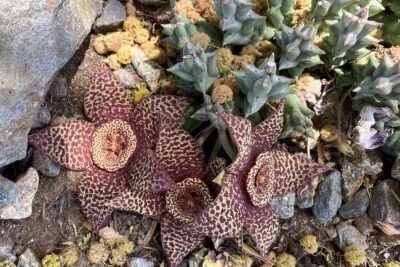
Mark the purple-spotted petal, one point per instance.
(176, 240)
(147, 174)
(265, 134)
(178, 152)
(213, 169)
(239, 130)
(96, 188)
(68, 144)
(146, 203)
(263, 226)
(106, 98)
(146, 115)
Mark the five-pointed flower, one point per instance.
(112, 146)
(258, 173)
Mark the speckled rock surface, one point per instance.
(28, 259)
(284, 205)
(356, 206)
(44, 164)
(113, 15)
(8, 191)
(21, 206)
(383, 205)
(349, 235)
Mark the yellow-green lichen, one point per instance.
(285, 260)
(51, 260)
(355, 255)
(7, 263)
(224, 59)
(221, 94)
(98, 253)
(187, 8)
(391, 264)
(140, 94)
(112, 62)
(69, 257)
(120, 248)
(309, 244)
(201, 38)
(125, 55)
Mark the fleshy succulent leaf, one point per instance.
(106, 98)
(95, 189)
(239, 22)
(180, 31)
(68, 144)
(146, 115)
(261, 85)
(178, 152)
(177, 240)
(298, 51)
(322, 10)
(147, 174)
(280, 12)
(263, 226)
(297, 116)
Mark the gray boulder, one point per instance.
(37, 39)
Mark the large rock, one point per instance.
(383, 205)
(328, 197)
(349, 235)
(37, 39)
(356, 206)
(21, 206)
(113, 15)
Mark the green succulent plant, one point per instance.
(197, 71)
(381, 80)
(298, 51)
(375, 6)
(394, 142)
(240, 24)
(349, 36)
(390, 31)
(394, 6)
(322, 10)
(297, 116)
(180, 31)
(280, 11)
(261, 84)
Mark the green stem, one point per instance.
(226, 144)
(204, 134)
(216, 148)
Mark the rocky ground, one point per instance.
(358, 203)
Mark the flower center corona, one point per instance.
(112, 145)
(189, 198)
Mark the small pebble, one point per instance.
(43, 118)
(284, 205)
(113, 15)
(349, 235)
(28, 259)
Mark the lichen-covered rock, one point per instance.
(328, 197)
(113, 15)
(38, 38)
(383, 204)
(21, 206)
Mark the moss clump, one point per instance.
(228, 80)
(355, 255)
(250, 51)
(7, 263)
(224, 59)
(112, 42)
(222, 94)
(120, 248)
(51, 260)
(140, 94)
(207, 10)
(153, 50)
(112, 61)
(69, 257)
(131, 24)
(285, 260)
(187, 8)
(142, 36)
(240, 61)
(309, 244)
(329, 133)
(125, 55)
(201, 38)
(391, 264)
(98, 253)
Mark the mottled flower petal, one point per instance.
(263, 226)
(106, 98)
(146, 115)
(68, 144)
(146, 203)
(277, 172)
(265, 134)
(176, 240)
(147, 174)
(213, 169)
(178, 152)
(224, 216)
(96, 188)
(239, 129)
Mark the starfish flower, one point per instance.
(258, 173)
(114, 147)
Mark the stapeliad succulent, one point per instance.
(261, 84)
(280, 12)
(197, 71)
(297, 116)
(349, 36)
(298, 51)
(239, 22)
(381, 80)
(111, 147)
(257, 174)
(322, 10)
(180, 31)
